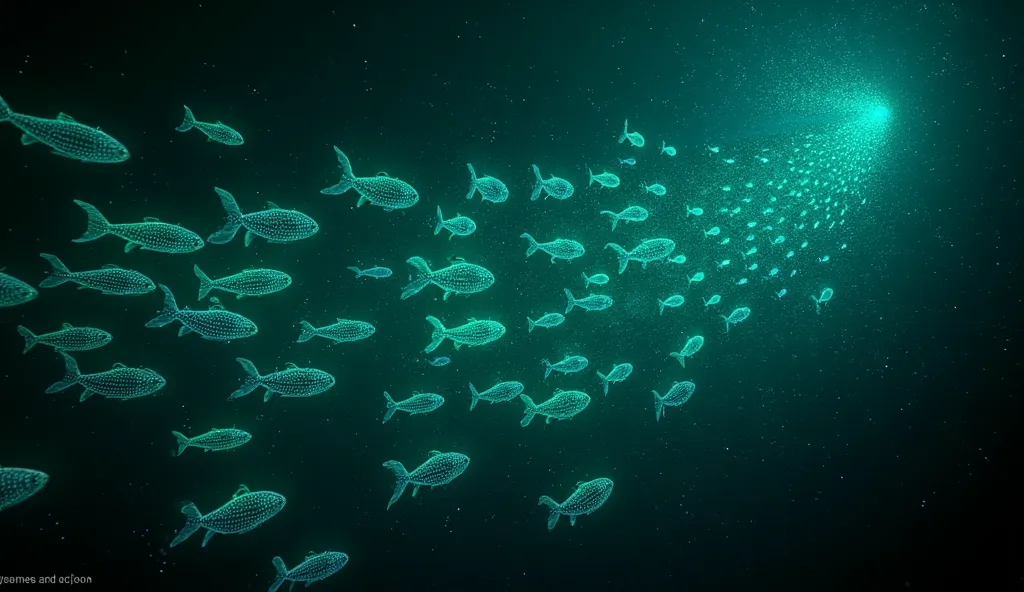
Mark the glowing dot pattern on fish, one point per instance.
(592, 302)
(246, 510)
(679, 394)
(736, 316)
(343, 331)
(490, 189)
(120, 382)
(68, 338)
(568, 365)
(588, 497)
(151, 235)
(562, 405)
(414, 405)
(316, 567)
(560, 248)
(555, 187)
(215, 324)
(634, 137)
(218, 132)
(382, 191)
(619, 373)
(630, 214)
(292, 382)
(499, 393)
(653, 249)
(440, 469)
(599, 279)
(458, 278)
(66, 137)
(604, 179)
(551, 319)
(251, 282)
(693, 345)
(216, 439)
(14, 291)
(473, 334)
(17, 485)
(110, 280)
(275, 224)
(378, 273)
(674, 301)
(457, 226)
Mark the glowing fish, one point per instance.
(17, 485)
(634, 137)
(458, 278)
(657, 189)
(599, 279)
(250, 282)
(673, 301)
(217, 132)
(215, 324)
(736, 316)
(669, 150)
(563, 405)
(151, 235)
(382, 191)
(551, 319)
(652, 249)
(692, 346)
(14, 291)
(440, 469)
(68, 338)
(555, 187)
(605, 179)
(65, 136)
(588, 497)
(592, 302)
(120, 382)
(314, 568)
(490, 189)
(560, 248)
(274, 224)
(457, 226)
(246, 510)
(414, 405)
(677, 395)
(618, 373)
(630, 214)
(499, 393)
(376, 272)
(213, 440)
(343, 331)
(568, 365)
(111, 279)
(473, 334)
(826, 295)
(292, 382)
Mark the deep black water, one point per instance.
(868, 448)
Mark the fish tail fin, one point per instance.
(531, 410)
(170, 311)
(625, 129)
(615, 217)
(475, 395)
(347, 177)
(401, 480)
(604, 382)
(97, 225)
(586, 280)
(472, 182)
(183, 442)
(189, 122)
(570, 301)
(538, 185)
(680, 357)
(205, 283)
(359, 272)
(71, 375)
(392, 407)
(661, 307)
(547, 367)
(234, 221)
(30, 338)
(726, 319)
(58, 274)
(440, 222)
(281, 574)
(554, 507)
(621, 254)
(253, 380)
(530, 324)
(421, 281)
(533, 246)
(193, 520)
(308, 332)
(5, 111)
(437, 336)
(659, 406)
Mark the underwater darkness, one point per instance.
(873, 446)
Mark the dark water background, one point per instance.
(869, 447)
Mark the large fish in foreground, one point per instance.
(275, 224)
(14, 291)
(17, 485)
(474, 333)
(66, 137)
(458, 278)
(246, 510)
(215, 324)
(314, 568)
(120, 382)
(150, 235)
(382, 191)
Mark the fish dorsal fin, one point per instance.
(219, 122)
(2, 268)
(118, 365)
(65, 117)
(578, 483)
(471, 319)
(311, 554)
(558, 390)
(215, 304)
(290, 366)
(242, 490)
(273, 206)
(383, 174)
(150, 219)
(458, 259)
(111, 266)
(67, 326)
(433, 453)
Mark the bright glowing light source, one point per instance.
(879, 112)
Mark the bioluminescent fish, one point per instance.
(618, 373)
(490, 189)
(414, 405)
(826, 295)
(246, 510)
(250, 282)
(151, 235)
(694, 211)
(742, 282)
(215, 132)
(657, 189)
(628, 161)
(292, 382)
(724, 263)
(440, 361)
(381, 191)
(499, 393)
(676, 396)
(673, 301)
(215, 324)
(752, 267)
(120, 382)
(669, 150)
(14, 291)
(713, 231)
(697, 277)
(780, 293)
(274, 224)
(749, 252)
(111, 279)
(222, 439)
(568, 365)
(440, 469)
(68, 338)
(713, 149)
(314, 568)
(551, 319)
(562, 405)
(604, 179)
(457, 226)
(342, 331)
(692, 346)
(376, 272)
(66, 137)
(678, 259)
(588, 497)
(715, 299)
(555, 187)
(736, 316)
(599, 279)
(592, 302)
(652, 249)
(459, 278)
(17, 485)
(560, 248)
(473, 334)
(630, 214)
(634, 137)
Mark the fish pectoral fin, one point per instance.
(415, 490)
(362, 200)
(548, 419)
(184, 331)
(242, 490)
(119, 365)
(27, 140)
(273, 206)
(151, 219)
(572, 520)
(209, 535)
(248, 237)
(130, 246)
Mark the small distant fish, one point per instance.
(657, 189)
(343, 331)
(669, 150)
(562, 405)
(120, 382)
(217, 132)
(628, 161)
(381, 190)
(111, 279)
(150, 235)
(14, 291)
(826, 295)
(634, 137)
(715, 299)
(373, 272)
(490, 189)
(68, 338)
(694, 211)
(215, 324)
(458, 226)
(292, 382)
(316, 567)
(499, 393)
(440, 361)
(605, 179)
(551, 319)
(251, 282)
(66, 137)
(674, 301)
(555, 187)
(414, 405)
(225, 439)
(17, 485)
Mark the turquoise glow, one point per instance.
(879, 112)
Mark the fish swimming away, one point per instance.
(246, 510)
(110, 280)
(68, 338)
(440, 469)
(693, 345)
(215, 324)
(382, 191)
(66, 137)
(150, 235)
(216, 132)
(618, 373)
(555, 187)
(225, 439)
(630, 214)
(634, 137)
(677, 395)
(274, 224)
(314, 568)
(588, 497)
(17, 485)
